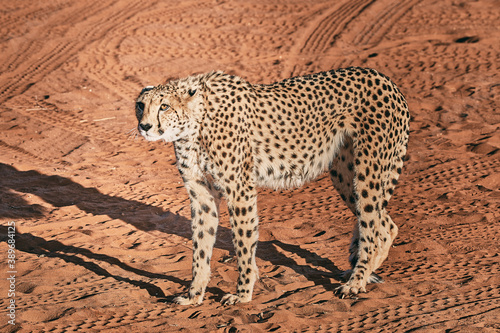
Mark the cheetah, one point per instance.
(231, 136)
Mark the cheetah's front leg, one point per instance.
(204, 220)
(244, 224)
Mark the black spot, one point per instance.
(205, 208)
(368, 208)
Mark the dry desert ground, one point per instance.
(102, 231)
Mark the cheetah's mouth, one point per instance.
(148, 136)
(165, 136)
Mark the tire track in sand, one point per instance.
(43, 58)
(353, 23)
(34, 59)
(116, 76)
(31, 42)
(418, 313)
(327, 30)
(377, 28)
(39, 59)
(18, 150)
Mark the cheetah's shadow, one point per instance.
(60, 191)
(267, 251)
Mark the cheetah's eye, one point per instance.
(164, 107)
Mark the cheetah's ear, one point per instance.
(148, 88)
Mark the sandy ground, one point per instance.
(102, 219)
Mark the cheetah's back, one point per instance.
(298, 125)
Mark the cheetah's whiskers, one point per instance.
(133, 134)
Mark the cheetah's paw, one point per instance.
(181, 300)
(230, 299)
(349, 290)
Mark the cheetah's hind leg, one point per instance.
(342, 176)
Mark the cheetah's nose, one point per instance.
(145, 127)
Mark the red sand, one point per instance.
(103, 236)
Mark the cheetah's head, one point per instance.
(170, 111)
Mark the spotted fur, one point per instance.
(231, 136)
